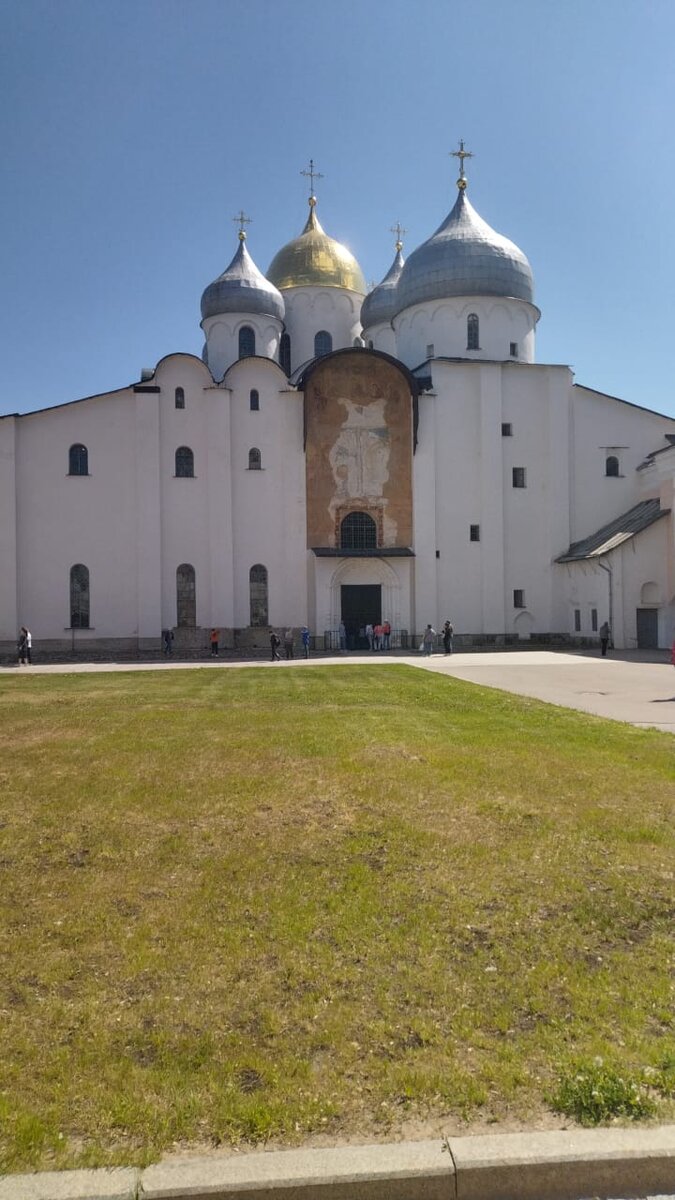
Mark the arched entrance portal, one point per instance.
(366, 590)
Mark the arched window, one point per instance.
(285, 353)
(78, 460)
(611, 465)
(257, 583)
(254, 400)
(472, 332)
(180, 398)
(323, 343)
(186, 596)
(358, 531)
(185, 462)
(254, 459)
(79, 596)
(246, 341)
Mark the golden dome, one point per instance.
(315, 259)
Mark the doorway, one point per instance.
(360, 605)
(647, 621)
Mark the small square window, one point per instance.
(577, 620)
(507, 429)
(594, 620)
(474, 533)
(430, 350)
(518, 598)
(513, 349)
(519, 478)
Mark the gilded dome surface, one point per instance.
(315, 260)
(380, 304)
(464, 257)
(242, 288)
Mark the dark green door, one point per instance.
(361, 605)
(647, 628)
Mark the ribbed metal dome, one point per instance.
(242, 288)
(380, 305)
(464, 257)
(315, 259)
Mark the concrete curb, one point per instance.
(561, 1165)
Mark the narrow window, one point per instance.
(246, 342)
(358, 531)
(186, 598)
(254, 459)
(180, 398)
(594, 620)
(577, 620)
(185, 463)
(518, 598)
(254, 400)
(474, 533)
(507, 429)
(370, 344)
(79, 596)
(472, 332)
(519, 480)
(323, 343)
(430, 350)
(513, 349)
(612, 465)
(78, 460)
(285, 353)
(257, 584)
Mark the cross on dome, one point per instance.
(399, 231)
(461, 154)
(311, 174)
(241, 219)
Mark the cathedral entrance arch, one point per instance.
(361, 604)
(363, 590)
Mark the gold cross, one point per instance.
(461, 154)
(399, 231)
(311, 174)
(241, 219)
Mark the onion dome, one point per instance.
(464, 257)
(242, 288)
(379, 305)
(316, 260)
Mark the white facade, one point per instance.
(513, 466)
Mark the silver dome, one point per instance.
(464, 257)
(242, 288)
(380, 304)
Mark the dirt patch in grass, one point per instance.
(342, 904)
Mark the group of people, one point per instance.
(378, 636)
(25, 646)
(289, 643)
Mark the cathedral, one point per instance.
(338, 456)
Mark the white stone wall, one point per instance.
(222, 339)
(311, 309)
(439, 328)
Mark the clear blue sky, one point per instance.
(132, 131)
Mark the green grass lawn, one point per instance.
(250, 904)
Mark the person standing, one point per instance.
(214, 639)
(288, 643)
(305, 640)
(370, 635)
(386, 636)
(428, 640)
(342, 632)
(378, 634)
(22, 647)
(448, 632)
(29, 645)
(275, 642)
(605, 635)
(167, 638)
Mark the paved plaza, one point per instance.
(632, 687)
